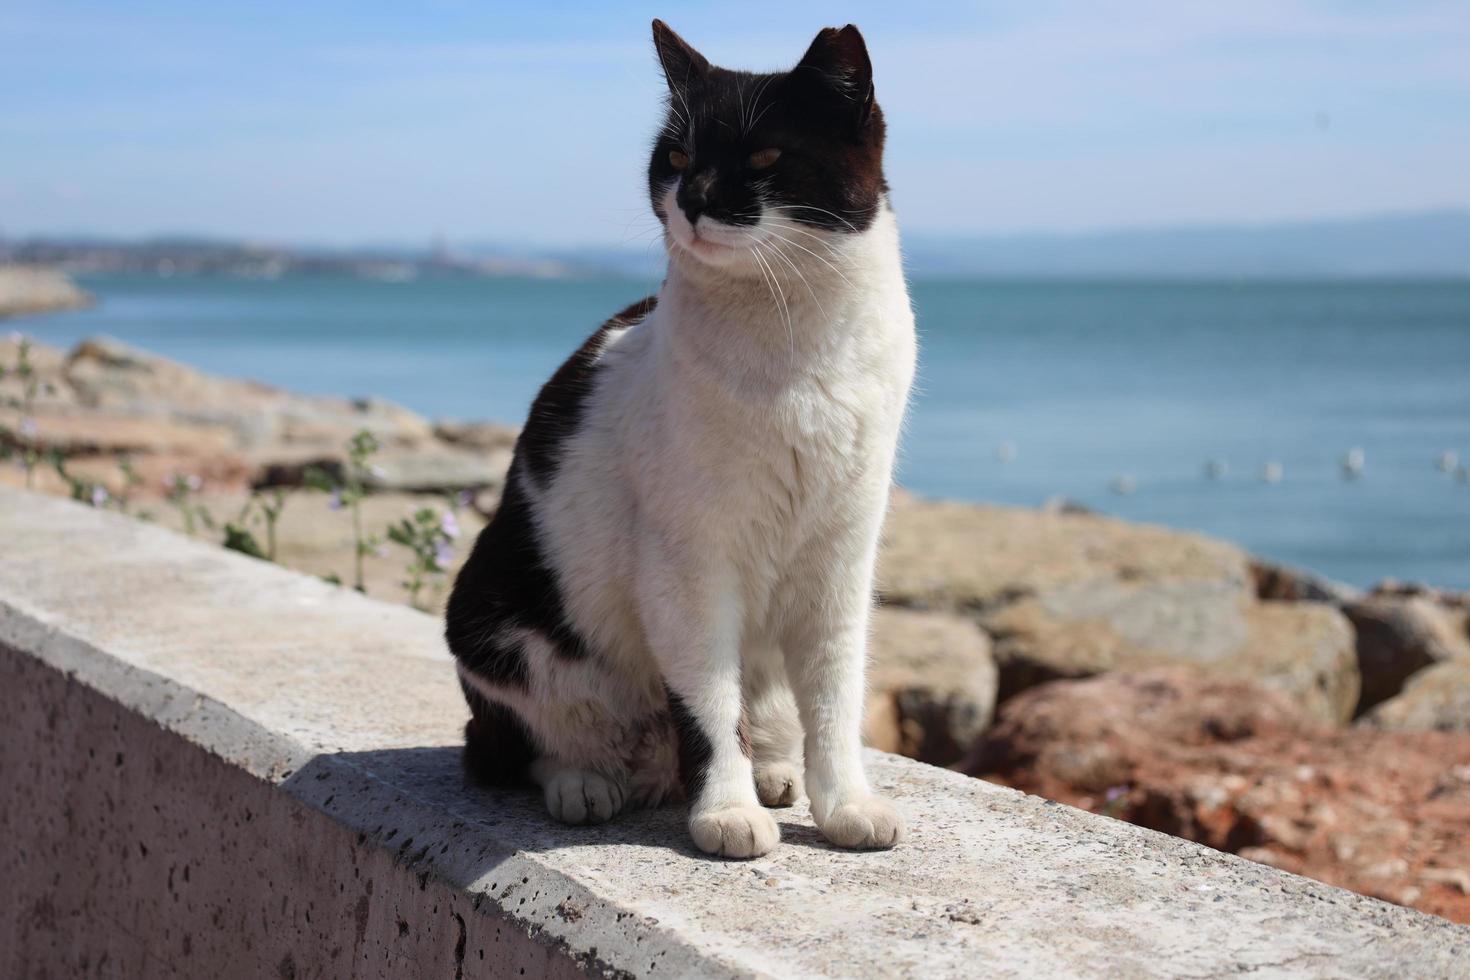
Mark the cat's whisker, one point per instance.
(780, 296)
(808, 207)
(800, 275)
(820, 240)
(840, 274)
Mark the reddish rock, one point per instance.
(1237, 767)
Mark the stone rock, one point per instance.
(931, 684)
(438, 469)
(26, 289)
(1445, 597)
(1436, 699)
(112, 377)
(482, 436)
(1072, 595)
(1303, 650)
(78, 433)
(1399, 635)
(1282, 582)
(1235, 766)
(948, 555)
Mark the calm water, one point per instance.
(1087, 381)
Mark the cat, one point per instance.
(673, 597)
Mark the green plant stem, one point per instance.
(357, 552)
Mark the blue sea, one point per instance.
(1027, 389)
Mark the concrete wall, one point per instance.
(215, 767)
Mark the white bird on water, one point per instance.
(1123, 485)
(1216, 469)
(1272, 473)
(1352, 463)
(1447, 461)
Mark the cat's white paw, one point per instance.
(575, 796)
(735, 832)
(778, 783)
(868, 823)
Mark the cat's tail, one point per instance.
(498, 750)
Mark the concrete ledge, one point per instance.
(215, 767)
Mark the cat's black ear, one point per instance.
(838, 58)
(681, 63)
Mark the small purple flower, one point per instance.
(464, 498)
(335, 500)
(1115, 794)
(28, 428)
(193, 482)
(449, 526)
(443, 554)
(99, 495)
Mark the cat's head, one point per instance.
(746, 158)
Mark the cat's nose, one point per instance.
(694, 195)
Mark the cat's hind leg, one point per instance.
(577, 795)
(600, 740)
(772, 726)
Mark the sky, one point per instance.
(355, 122)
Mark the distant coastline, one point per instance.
(1422, 245)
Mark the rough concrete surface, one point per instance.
(215, 767)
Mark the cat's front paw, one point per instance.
(577, 797)
(735, 832)
(867, 823)
(778, 783)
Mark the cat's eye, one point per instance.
(761, 159)
(678, 159)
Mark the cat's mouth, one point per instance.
(705, 245)
(704, 238)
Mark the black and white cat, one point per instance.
(675, 591)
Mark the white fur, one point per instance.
(714, 524)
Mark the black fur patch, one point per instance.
(507, 581)
(507, 584)
(821, 115)
(498, 749)
(695, 750)
(557, 411)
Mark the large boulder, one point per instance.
(111, 377)
(1073, 595)
(1437, 699)
(944, 554)
(1400, 635)
(931, 685)
(1235, 766)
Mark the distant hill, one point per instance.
(1427, 244)
(1433, 243)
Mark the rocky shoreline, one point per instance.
(26, 289)
(1159, 676)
